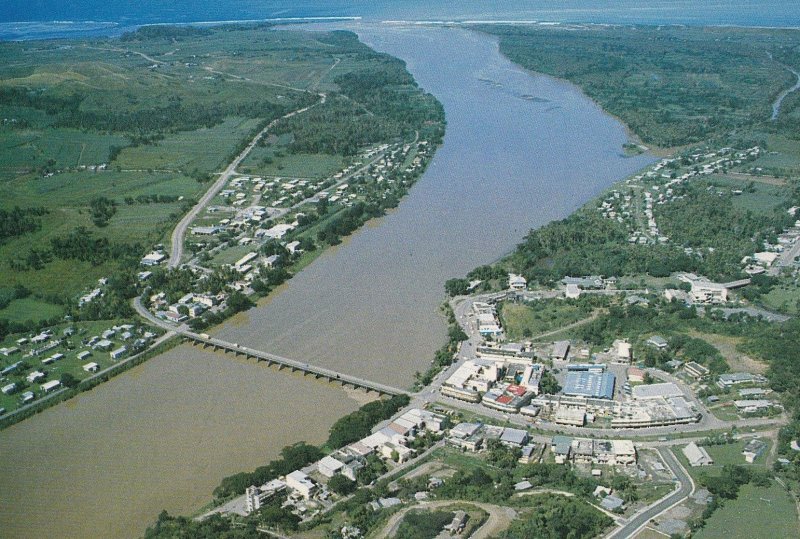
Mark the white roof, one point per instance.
(50, 385)
(331, 463)
(654, 391)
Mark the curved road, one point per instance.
(176, 249)
(685, 489)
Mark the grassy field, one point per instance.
(756, 510)
(22, 310)
(31, 149)
(522, 321)
(311, 166)
(204, 149)
(722, 455)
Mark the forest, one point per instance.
(671, 85)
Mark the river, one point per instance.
(520, 150)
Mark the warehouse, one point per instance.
(590, 384)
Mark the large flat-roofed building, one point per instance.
(656, 391)
(590, 384)
(470, 380)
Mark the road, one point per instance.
(684, 490)
(178, 235)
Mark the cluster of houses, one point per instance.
(190, 305)
(306, 490)
(590, 451)
(659, 184)
(46, 349)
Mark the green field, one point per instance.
(301, 165)
(522, 321)
(22, 310)
(757, 512)
(203, 149)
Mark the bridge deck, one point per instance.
(319, 372)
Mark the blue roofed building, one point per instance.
(590, 384)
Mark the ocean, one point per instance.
(40, 19)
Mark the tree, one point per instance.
(69, 380)
(342, 485)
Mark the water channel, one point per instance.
(520, 150)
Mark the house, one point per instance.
(611, 502)
(695, 369)
(753, 449)
(734, 378)
(696, 455)
(9, 388)
(528, 454)
(153, 259)
(27, 397)
(514, 437)
(104, 345)
(635, 375)
(561, 446)
(119, 352)
(91, 367)
(83, 355)
(657, 341)
(47, 387)
(517, 282)
(34, 376)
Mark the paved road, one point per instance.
(685, 489)
(176, 250)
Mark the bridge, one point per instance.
(296, 366)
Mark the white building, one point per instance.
(697, 456)
(301, 484)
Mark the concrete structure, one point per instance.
(575, 417)
(696, 455)
(466, 436)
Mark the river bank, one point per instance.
(368, 307)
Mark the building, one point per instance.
(752, 406)
(119, 353)
(706, 292)
(656, 391)
(734, 378)
(753, 449)
(696, 455)
(517, 282)
(330, 466)
(560, 350)
(470, 380)
(657, 341)
(696, 370)
(575, 417)
(91, 367)
(561, 446)
(635, 375)
(466, 436)
(52, 385)
(153, 259)
(514, 437)
(590, 384)
(301, 484)
(256, 496)
(624, 351)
